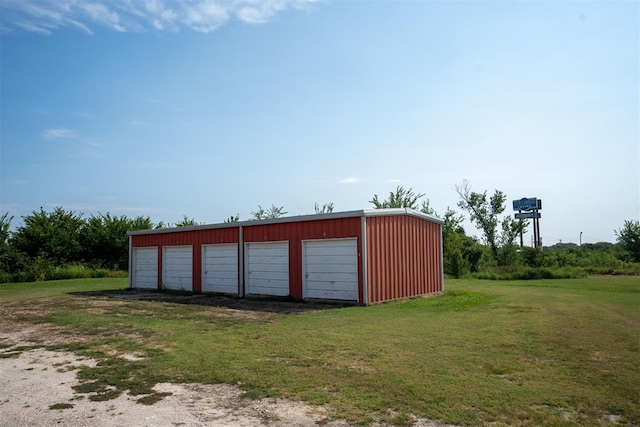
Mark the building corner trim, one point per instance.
(363, 242)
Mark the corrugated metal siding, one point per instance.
(296, 232)
(403, 257)
(196, 238)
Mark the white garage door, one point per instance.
(177, 268)
(267, 268)
(331, 269)
(220, 268)
(145, 268)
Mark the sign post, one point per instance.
(531, 206)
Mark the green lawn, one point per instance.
(561, 352)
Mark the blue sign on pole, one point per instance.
(525, 204)
(528, 215)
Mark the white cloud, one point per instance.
(350, 180)
(46, 16)
(32, 27)
(394, 181)
(58, 133)
(102, 14)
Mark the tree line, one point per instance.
(46, 242)
(496, 255)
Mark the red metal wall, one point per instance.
(403, 257)
(296, 232)
(403, 252)
(195, 238)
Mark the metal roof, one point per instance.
(311, 217)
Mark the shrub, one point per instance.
(5, 277)
(41, 270)
(528, 273)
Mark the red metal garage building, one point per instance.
(365, 256)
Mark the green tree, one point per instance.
(426, 208)
(461, 253)
(400, 198)
(142, 223)
(485, 213)
(105, 242)
(533, 257)
(269, 213)
(5, 226)
(7, 254)
(453, 237)
(187, 222)
(628, 238)
(50, 235)
(325, 208)
(232, 219)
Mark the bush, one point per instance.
(5, 277)
(628, 269)
(41, 270)
(529, 273)
(533, 257)
(77, 271)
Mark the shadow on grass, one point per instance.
(282, 305)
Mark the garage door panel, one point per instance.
(230, 282)
(333, 294)
(331, 269)
(269, 275)
(329, 259)
(269, 260)
(147, 281)
(177, 254)
(220, 268)
(175, 266)
(260, 288)
(224, 268)
(178, 268)
(148, 262)
(267, 268)
(268, 282)
(145, 268)
(333, 287)
(347, 277)
(177, 282)
(269, 249)
(274, 268)
(179, 276)
(218, 275)
(221, 262)
(148, 275)
(332, 250)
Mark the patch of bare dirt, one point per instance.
(36, 389)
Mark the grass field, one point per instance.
(561, 352)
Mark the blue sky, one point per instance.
(209, 108)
